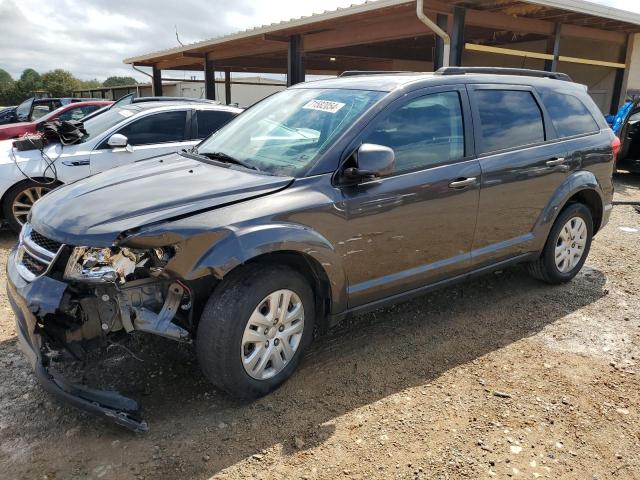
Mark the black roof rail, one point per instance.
(504, 71)
(353, 73)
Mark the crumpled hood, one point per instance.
(94, 211)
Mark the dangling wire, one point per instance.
(50, 167)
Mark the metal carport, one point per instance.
(596, 45)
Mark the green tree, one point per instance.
(87, 84)
(29, 81)
(7, 88)
(59, 83)
(119, 81)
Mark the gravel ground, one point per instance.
(497, 377)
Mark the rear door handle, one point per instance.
(463, 182)
(554, 162)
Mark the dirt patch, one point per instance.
(501, 376)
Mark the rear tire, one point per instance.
(244, 344)
(567, 246)
(20, 198)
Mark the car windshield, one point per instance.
(286, 132)
(48, 116)
(103, 122)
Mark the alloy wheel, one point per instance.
(273, 334)
(24, 201)
(571, 244)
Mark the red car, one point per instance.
(72, 111)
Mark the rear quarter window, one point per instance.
(569, 115)
(508, 119)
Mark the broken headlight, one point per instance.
(114, 265)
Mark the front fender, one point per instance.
(574, 183)
(240, 245)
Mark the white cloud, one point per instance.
(91, 37)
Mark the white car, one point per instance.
(119, 136)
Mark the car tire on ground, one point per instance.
(20, 198)
(247, 342)
(567, 246)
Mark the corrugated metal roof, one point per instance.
(577, 6)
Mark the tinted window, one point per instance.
(569, 115)
(508, 118)
(157, 128)
(424, 132)
(210, 121)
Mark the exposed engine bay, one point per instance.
(119, 289)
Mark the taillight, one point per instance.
(615, 146)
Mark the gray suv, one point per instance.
(326, 200)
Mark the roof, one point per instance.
(408, 80)
(617, 19)
(158, 105)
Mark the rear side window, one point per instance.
(569, 115)
(508, 119)
(156, 128)
(210, 121)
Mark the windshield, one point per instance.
(286, 132)
(103, 122)
(24, 110)
(48, 116)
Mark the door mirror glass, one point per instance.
(373, 161)
(118, 141)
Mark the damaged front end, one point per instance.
(71, 300)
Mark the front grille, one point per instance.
(36, 253)
(35, 266)
(45, 242)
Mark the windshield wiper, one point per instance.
(223, 157)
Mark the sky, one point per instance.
(90, 38)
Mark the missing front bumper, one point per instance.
(46, 293)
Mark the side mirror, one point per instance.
(374, 161)
(118, 141)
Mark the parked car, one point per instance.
(34, 108)
(7, 114)
(326, 200)
(117, 137)
(71, 111)
(629, 132)
(131, 98)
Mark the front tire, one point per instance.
(254, 329)
(567, 246)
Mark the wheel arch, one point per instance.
(297, 246)
(592, 200)
(582, 187)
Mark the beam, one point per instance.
(457, 36)
(554, 43)
(442, 21)
(295, 64)
(541, 56)
(209, 79)
(618, 94)
(508, 51)
(156, 81)
(227, 86)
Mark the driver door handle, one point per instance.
(463, 182)
(554, 162)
